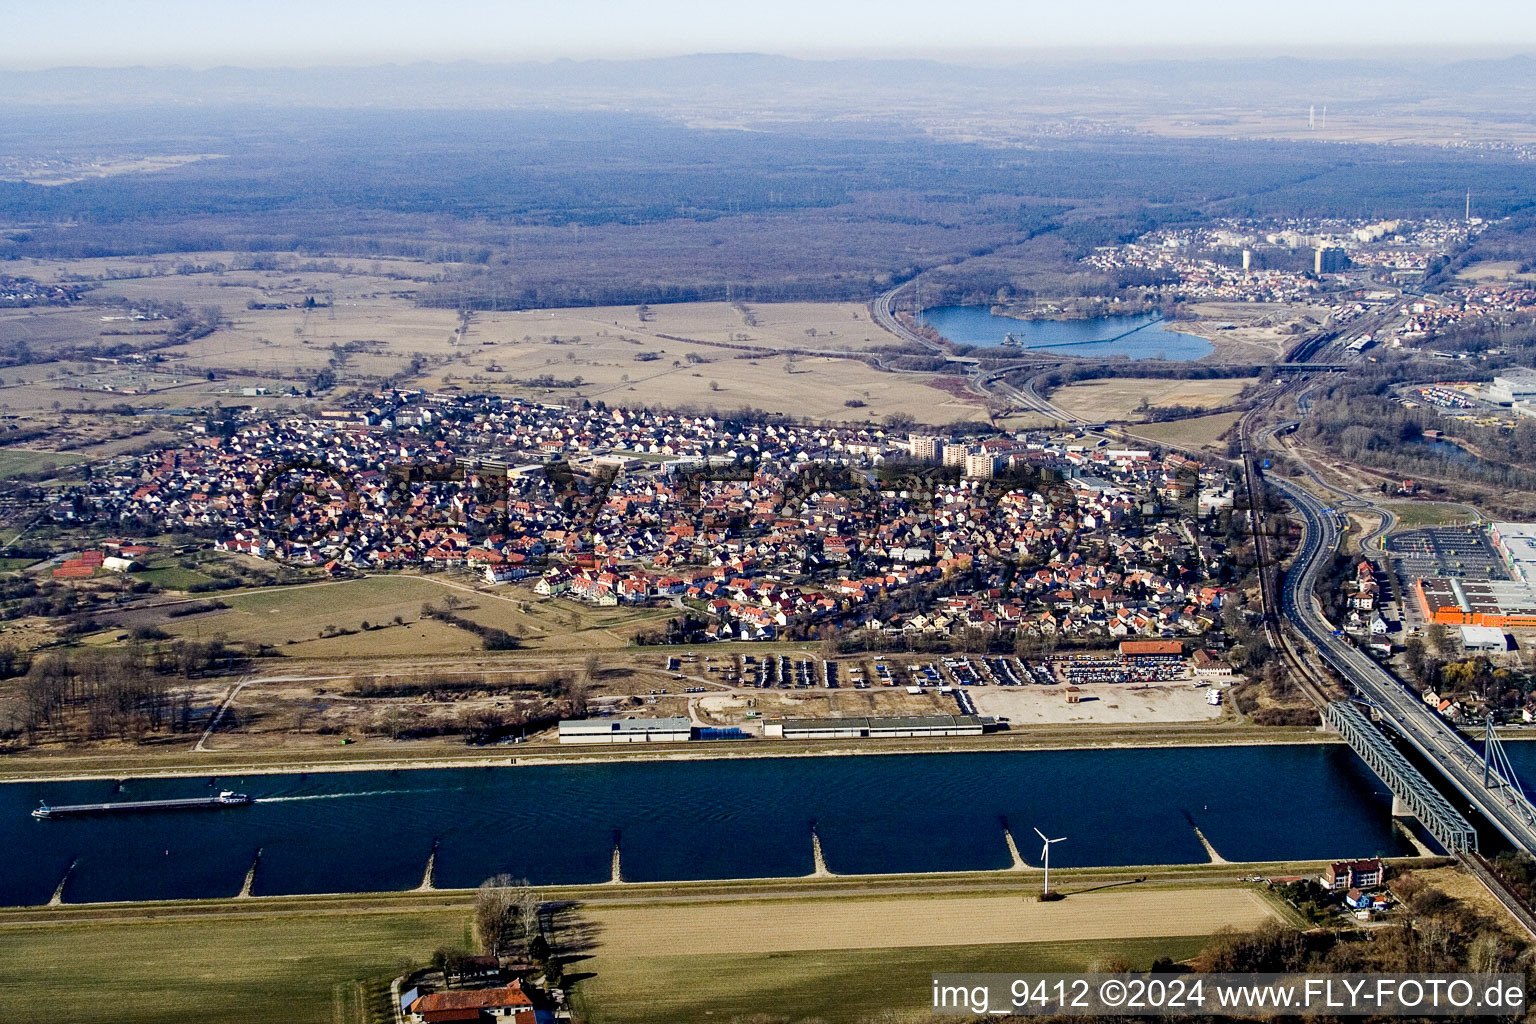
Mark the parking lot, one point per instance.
(1464, 552)
(1112, 668)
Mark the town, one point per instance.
(770, 529)
(532, 514)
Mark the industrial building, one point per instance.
(1502, 604)
(625, 730)
(1516, 545)
(1484, 638)
(1495, 604)
(860, 728)
(1518, 386)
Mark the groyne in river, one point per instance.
(687, 820)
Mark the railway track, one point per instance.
(1480, 868)
(1313, 684)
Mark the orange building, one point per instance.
(1498, 603)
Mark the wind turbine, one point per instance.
(1045, 855)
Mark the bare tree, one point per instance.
(576, 697)
(829, 645)
(529, 908)
(495, 913)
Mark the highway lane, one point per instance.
(1500, 802)
(880, 310)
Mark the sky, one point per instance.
(205, 33)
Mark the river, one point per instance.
(684, 820)
(1138, 337)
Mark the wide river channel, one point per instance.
(681, 820)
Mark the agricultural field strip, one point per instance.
(959, 921)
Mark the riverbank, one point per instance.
(403, 755)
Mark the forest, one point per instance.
(546, 208)
(1358, 420)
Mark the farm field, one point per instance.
(853, 959)
(173, 577)
(23, 460)
(1495, 272)
(1122, 398)
(245, 969)
(844, 958)
(624, 360)
(836, 986)
(365, 325)
(294, 618)
(768, 927)
(1196, 432)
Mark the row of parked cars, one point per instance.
(1118, 669)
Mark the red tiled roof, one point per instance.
(509, 996)
(454, 1016)
(1151, 647)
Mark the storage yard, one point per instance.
(808, 697)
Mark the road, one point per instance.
(880, 310)
(1501, 803)
(1303, 357)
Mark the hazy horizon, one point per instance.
(286, 33)
(981, 59)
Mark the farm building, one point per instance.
(509, 1003)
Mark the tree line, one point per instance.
(131, 694)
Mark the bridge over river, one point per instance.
(1485, 779)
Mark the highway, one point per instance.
(880, 311)
(1505, 807)
(1500, 802)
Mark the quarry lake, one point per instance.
(684, 820)
(1137, 337)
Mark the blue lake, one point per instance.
(682, 820)
(1136, 337)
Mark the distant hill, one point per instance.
(750, 89)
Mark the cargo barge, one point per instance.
(228, 798)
